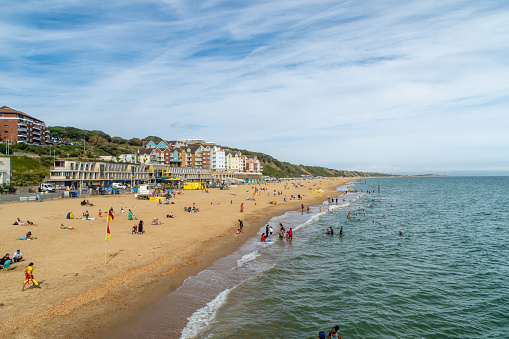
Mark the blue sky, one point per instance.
(392, 86)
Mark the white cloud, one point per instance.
(390, 85)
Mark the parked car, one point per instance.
(46, 188)
(118, 185)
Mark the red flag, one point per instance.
(110, 219)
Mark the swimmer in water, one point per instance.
(341, 232)
(400, 233)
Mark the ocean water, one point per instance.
(447, 276)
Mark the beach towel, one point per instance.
(26, 239)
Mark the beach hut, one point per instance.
(193, 186)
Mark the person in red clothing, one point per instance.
(263, 237)
(290, 233)
(29, 276)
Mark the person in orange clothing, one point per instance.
(29, 276)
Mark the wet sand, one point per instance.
(80, 296)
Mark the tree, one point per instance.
(96, 140)
(110, 149)
(152, 138)
(135, 142)
(101, 134)
(118, 140)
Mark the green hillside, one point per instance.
(281, 169)
(75, 143)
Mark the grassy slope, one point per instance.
(31, 171)
(27, 171)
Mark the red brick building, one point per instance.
(20, 128)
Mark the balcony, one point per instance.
(37, 127)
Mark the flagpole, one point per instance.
(110, 216)
(106, 242)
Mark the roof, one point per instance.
(5, 109)
(193, 148)
(145, 151)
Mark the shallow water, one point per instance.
(445, 277)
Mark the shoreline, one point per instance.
(122, 293)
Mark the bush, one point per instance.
(135, 142)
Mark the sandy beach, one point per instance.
(81, 296)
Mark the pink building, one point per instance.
(253, 164)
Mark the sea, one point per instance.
(445, 276)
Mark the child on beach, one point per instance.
(7, 263)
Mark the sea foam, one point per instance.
(202, 318)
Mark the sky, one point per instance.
(401, 87)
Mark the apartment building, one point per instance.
(253, 164)
(19, 127)
(74, 174)
(195, 153)
(217, 158)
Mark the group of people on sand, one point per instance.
(19, 222)
(155, 221)
(138, 229)
(241, 227)
(6, 261)
(333, 334)
(5, 264)
(86, 203)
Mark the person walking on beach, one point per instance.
(302, 209)
(241, 225)
(242, 207)
(29, 276)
